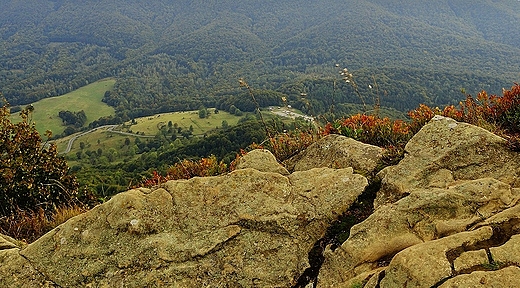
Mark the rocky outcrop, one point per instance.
(467, 259)
(445, 216)
(423, 216)
(261, 160)
(445, 151)
(506, 277)
(448, 215)
(336, 151)
(7, 242)
(244, 229)
(15, 270)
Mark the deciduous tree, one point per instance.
(32, 173)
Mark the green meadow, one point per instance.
(87, 98)
(148, 126)
(152, 124)
(97, 139)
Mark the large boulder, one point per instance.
(484, 256)
(261, 160)
(16, 271)
(425, 215)
(506, 277)
(247, 228)
(437, 220)
(337, 151)
(444, 151)
(427, 264)
(476, 258)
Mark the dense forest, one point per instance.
(182, 55)
(178, 55)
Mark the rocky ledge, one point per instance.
(447, 215)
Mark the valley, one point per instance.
(147, 69)
(320, 143)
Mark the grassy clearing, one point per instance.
(151, 125)
(87, 98)
(98, 139)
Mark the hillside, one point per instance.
(176, 56)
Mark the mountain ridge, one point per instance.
(287, 40)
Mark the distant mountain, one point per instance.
(173, 55)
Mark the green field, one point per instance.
(151, 125)
(147, 127)
(98, 139)
(87, 98)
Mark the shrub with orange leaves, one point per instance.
(155, 180)
(285, 145)
(187, 169)
(204, 167)
(506, 111)
(373, 130)
(485, 111)
(421, 116)
(499, 114)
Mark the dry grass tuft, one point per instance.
(28, 226)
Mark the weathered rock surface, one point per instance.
(425, 215)
(7, 242)
(336, 151)
(444, 151)
(244, 229)
(463, 259)
(506, 277)
(432, 259)
(438, 222)
(470, 260)
(261, 160)
(16, 271)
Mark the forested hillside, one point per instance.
(177, 55)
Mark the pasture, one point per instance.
(87, 98)
(152, 124)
